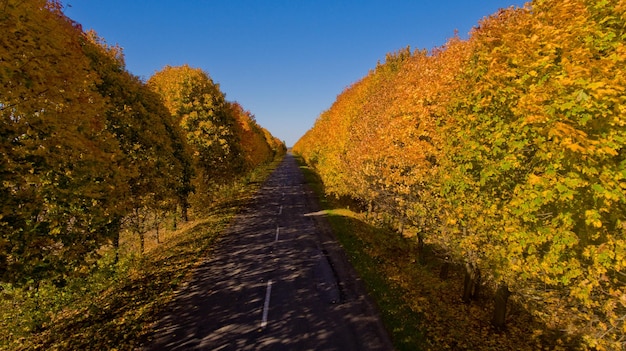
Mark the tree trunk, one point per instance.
(141, 242)
(113, 231)
(184, 211)
(471, 282)
(420, 248)
(116, 246)
(156, 226)
(499, 312)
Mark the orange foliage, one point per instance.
(506, 151)
(252, 140)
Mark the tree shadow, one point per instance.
(408, 292)
(270, 284)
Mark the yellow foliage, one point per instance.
(508, 147)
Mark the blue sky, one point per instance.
(284, 60)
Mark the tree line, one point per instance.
(88, 149)
(506, 151)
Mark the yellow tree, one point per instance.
(536, 165)
(156, 162)
(367, 145)
(197, 103)
(411, 137)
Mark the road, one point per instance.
(278, 280)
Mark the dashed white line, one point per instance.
(280, 210)
(266, 305)
(277, 231)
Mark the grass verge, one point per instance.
(420, 310)
(367, 248)
(115, 305)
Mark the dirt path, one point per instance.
(277, 281)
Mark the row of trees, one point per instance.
(507, 151)
(87, 148)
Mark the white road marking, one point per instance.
(266, 305)
(280, 210)
(277, 231)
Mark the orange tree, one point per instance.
(379, 141)
(277, 146)
(422, 89)
(369, 151)
(324, 145)
(255, 148)
(156, 162)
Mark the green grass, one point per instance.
(419, 309)
(402, 323)
(115, 305)
(368, 249)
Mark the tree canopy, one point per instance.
(506, 150)
(87, 147)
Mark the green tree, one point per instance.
(57, 159)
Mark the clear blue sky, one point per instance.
(284, 60)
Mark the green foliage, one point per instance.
(88, 150)
(115, 305)
(197, 103)
(505, 150)
(57, 157)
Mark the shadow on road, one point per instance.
(273, 283)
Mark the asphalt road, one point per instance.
(277, 281)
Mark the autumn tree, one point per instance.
(324, 146)
(198, 105)
(539, 160)
(255, 147)
(87, 147)
(59, 181)
(156, 162)
(509, 148)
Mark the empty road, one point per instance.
(277, 281)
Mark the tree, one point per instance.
(198, 105)
(156, 162)
(254, 146)
(538, 148)
(58, 160)
(509, 147)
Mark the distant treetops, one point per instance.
(507, 150)
(85, 145)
